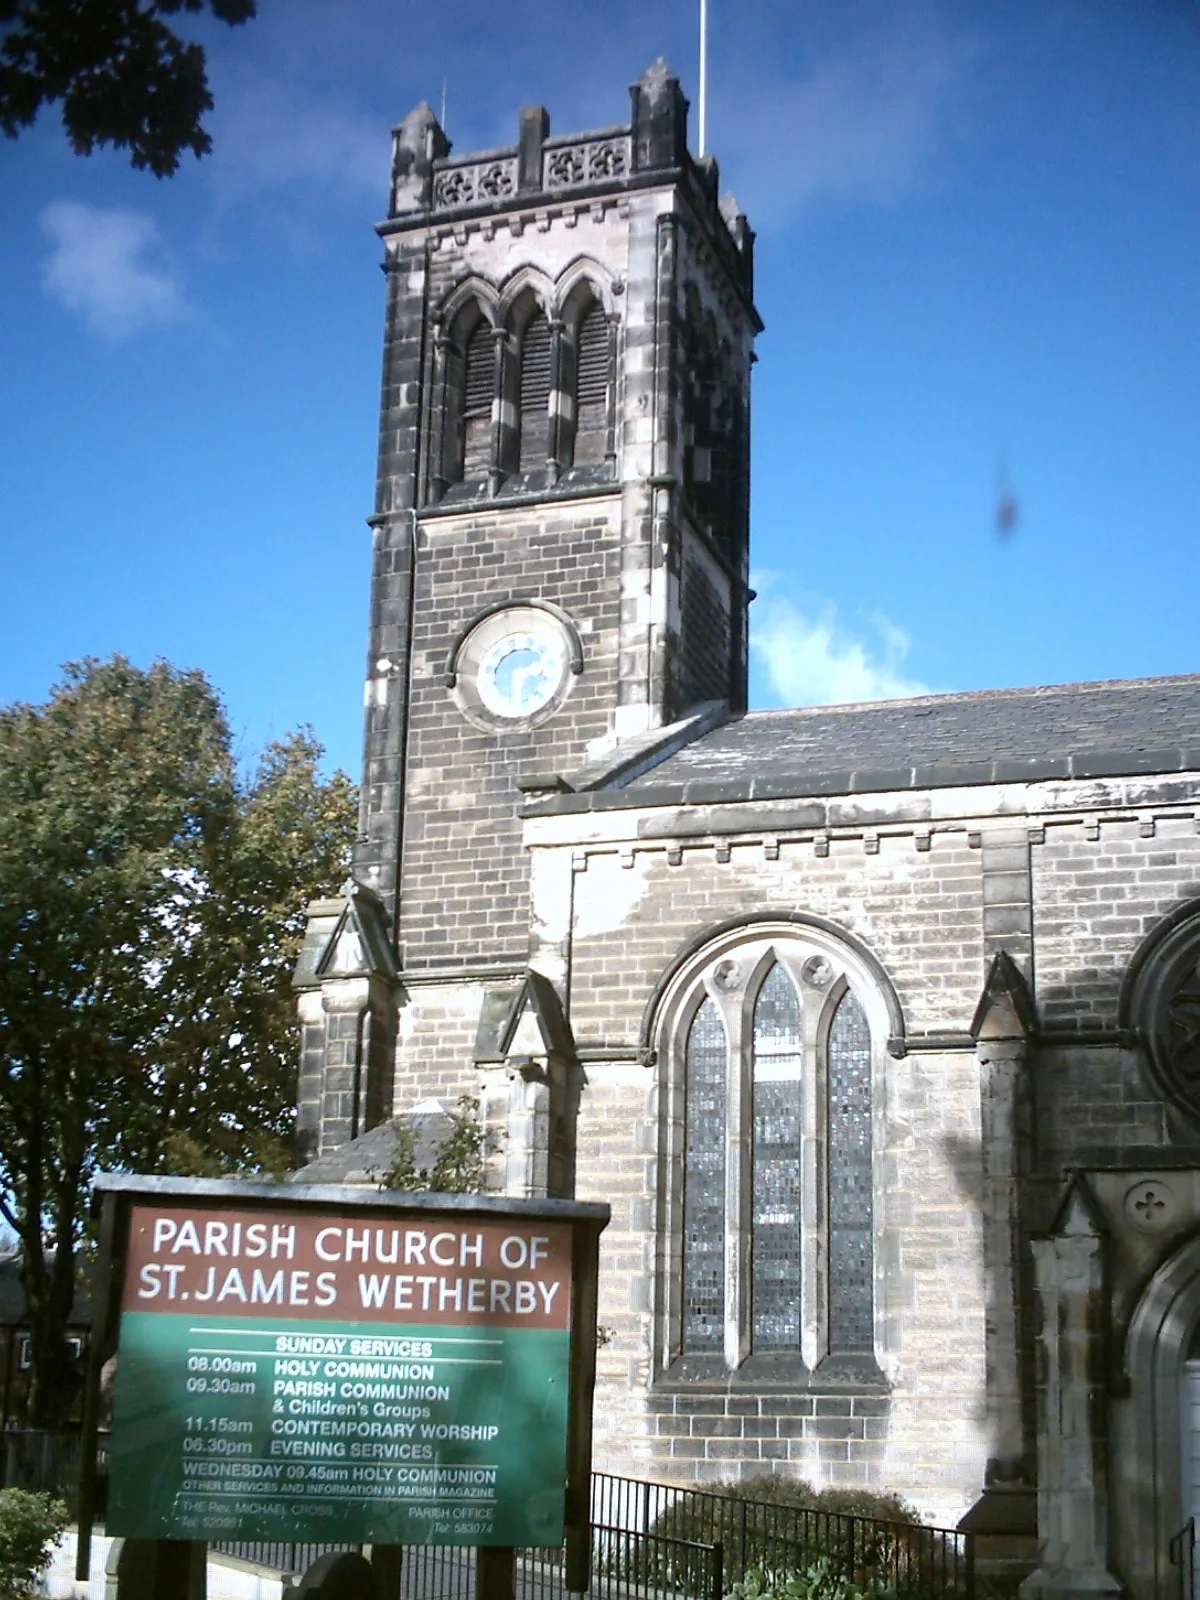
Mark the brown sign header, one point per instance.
(347, 1266)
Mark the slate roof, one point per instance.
(366, 1160)
(1078, 730)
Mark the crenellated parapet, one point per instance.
(429, 185)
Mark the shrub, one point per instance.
(795, 1492)
(29, 1525)
(461, 1161)
(781, 1525)
(817, 1581)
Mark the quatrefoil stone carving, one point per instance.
(1151, 1206)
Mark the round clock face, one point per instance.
(513, 668)
(521, 672)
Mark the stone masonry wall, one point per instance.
(1099, 888)
(615, 906)
(464, 876)
(925, 1436)
(918, 912)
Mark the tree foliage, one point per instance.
(460, 1165)
(151, 908)
(123, 76)
(30, 1525)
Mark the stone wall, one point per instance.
(917, 911)
(934, 891)
(921, 1430)
(464, 875)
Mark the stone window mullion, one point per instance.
(610, 421)
(504, 420)
(814, 1261)
(562, 403)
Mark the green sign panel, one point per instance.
(292, 1375)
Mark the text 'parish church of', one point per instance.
(878, 1026)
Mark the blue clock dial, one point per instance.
(521, 673)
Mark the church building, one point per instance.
(878, 1026)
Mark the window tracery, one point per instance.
(773, 1042)
(526, 384)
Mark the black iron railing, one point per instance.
(45, 1460)
(905, 1557)
(654, 1539)
(648, 1539)
(626, 1565)
(1182, 1551)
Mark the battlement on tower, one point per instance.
(486, 188)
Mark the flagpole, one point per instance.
(703, 78)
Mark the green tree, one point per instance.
(151, 907)
(122, 75)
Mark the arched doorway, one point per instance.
(1156, 1431)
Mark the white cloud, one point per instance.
(271, 137)
(810, 658)
(862, 125)
(109, 265)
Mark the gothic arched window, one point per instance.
(479, 366)
(591, 387)
(704, 1185)
(534, 402)
(773, 1042)
(778, 1061)
(851, 1207)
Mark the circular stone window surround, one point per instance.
(513, 666)
(1162, 1003)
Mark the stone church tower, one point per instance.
(878, 1026)
(560, 538)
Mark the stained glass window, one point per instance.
(704, 1184)
(778, 1063)
(851, 1258)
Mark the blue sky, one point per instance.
(978, 263)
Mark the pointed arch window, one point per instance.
(591, 387)
(775, 1244)
(479, 368)
(535, 393)
(704, 1187)
(773, 1206)
(851, 1204)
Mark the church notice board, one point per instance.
(336, 1366)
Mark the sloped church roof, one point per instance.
(1081, 730)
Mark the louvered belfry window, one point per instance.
(591, 387)
(535, 394)
(478, 385)
(704, 1184)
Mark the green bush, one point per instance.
(769, 1491)
(461, 1161)
(817, 1581)
(29, 1525)
(783, 1525)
